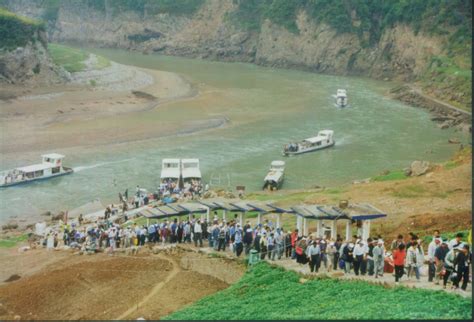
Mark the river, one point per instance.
(266, 109)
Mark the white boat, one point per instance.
(341, 98)
(190, 171)
(324, 139)
(171, 171)
(50, 167)
(275, 176)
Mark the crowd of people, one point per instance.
(446, 261)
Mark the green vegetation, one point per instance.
(146, 7)
(392, 175)
(273, 293)
(445, 236)
(411, 191)
(70, 58)
(370, 16)
(10, 242)
(16, 31)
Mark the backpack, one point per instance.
(299, 250)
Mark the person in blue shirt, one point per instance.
(238, 245)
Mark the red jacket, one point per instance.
(294, 237)
(399, 257)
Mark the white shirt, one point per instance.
(452, 243)
(197, 228)
(359, 250)
(431, 250)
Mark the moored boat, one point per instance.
(341, 98)
(50, 167)
(190, 171)
(275, 176)
(323, 140)
(171, 171)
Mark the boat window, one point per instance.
(318, 143)
(38, 173)
(171, 165)
(190, 165)
(30, 175)
(55, 170)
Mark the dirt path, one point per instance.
(418, 91)
(154, 291)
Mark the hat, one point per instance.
(351, 245)
(380, 241)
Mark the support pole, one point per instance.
(334, 229)
(319, 228)
(148, 222)
(259, 218)
(241, 219)
(190, 217)
(365, 229)
(305, 227)
(278, 223)
(223, 215)
(348, 230)
(298, 225)
(208, 213)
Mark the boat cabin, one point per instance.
(170, 170)
(277, 165)
(190, 170)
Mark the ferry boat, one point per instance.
(275, 176)
(190, 172)
(341, 98)
(171, 171)
(50, 167)
(323, 140)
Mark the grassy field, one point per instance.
(72, 59)
(12, 241)
(273, 293)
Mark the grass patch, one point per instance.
(411, 191)
(102, 62)
(12, 241)
(266, 293)
(71, 59)
(445, 236)
(392, 175)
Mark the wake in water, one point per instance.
(79, 169)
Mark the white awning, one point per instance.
(191, 173)
(314, 139)
(35, 167)
(170, 173)
(53, 156)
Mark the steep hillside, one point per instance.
(419, 40)
(23, 52)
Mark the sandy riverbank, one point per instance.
(98, 107)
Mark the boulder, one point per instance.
(419, 168)
(10, 226)
(46, 213)
(59, 216)
(454, 141)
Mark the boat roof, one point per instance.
(191, 173)
(35, 167)
(170, 161)
(273, 175)
(278, 163)
(313, 139)
(53, 156)
(170, 173)
(189, 160)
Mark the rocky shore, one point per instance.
(444, 114)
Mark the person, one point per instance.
(359, 254)
(399, 256)
(370, 256)
(271, 246)
(263, 245)
(456, 242)
(414, 259)
(435, 243)
(198, 233)
(314, 256)
(449, 263)
(397, 242)
(440, 255)
(279, 243)
(152, 233)
(238, 245)
(288, 244)
(187, 232)
(337, 254)
(348, 257)
(248, 238)
(331, 252)
(294, 238)
(300, 249)
(378, 256)
(80, 219)
(463, 261)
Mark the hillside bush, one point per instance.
(273, 293)
(17, 31)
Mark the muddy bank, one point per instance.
(82, 287)
(444, 114)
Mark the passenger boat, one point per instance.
(275, 176)
(324, 139)
(341, 98)
(50, 167)
(190, 171)
(171, 171)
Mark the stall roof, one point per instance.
(193, 207)
(260, 207)
(280, 209)
(242, 206)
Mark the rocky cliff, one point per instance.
(24, 56)
(400, 51)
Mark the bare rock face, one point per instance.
(30, 64)
(419, 168)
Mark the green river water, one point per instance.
(267, 109)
